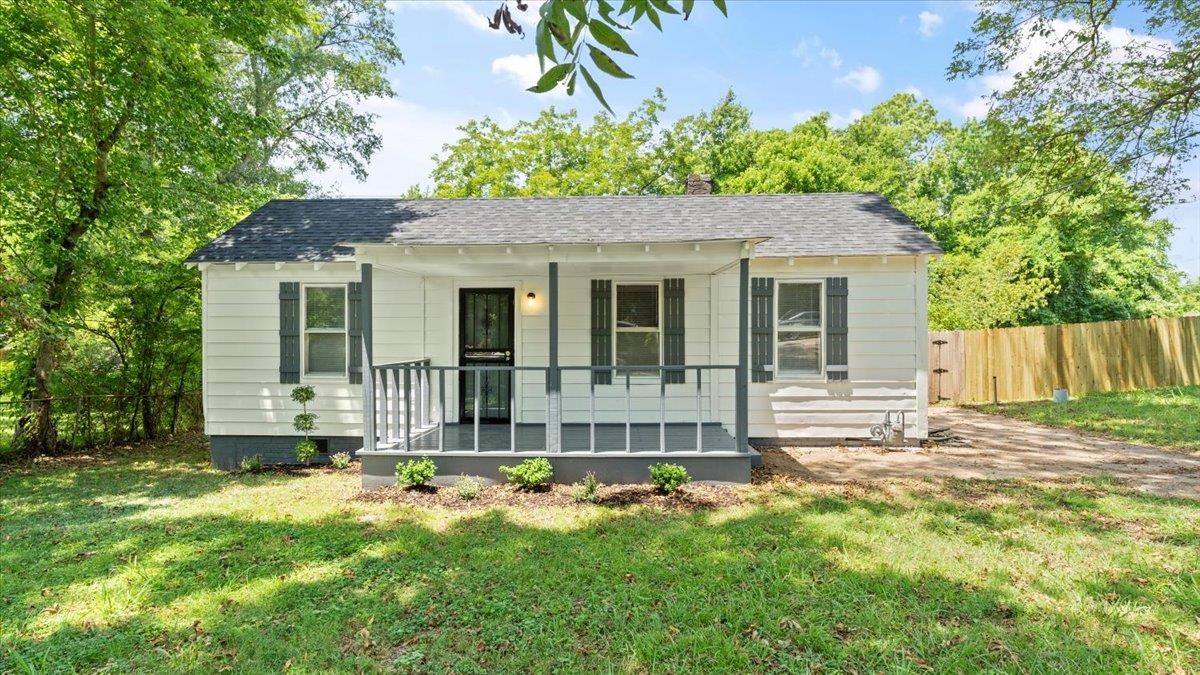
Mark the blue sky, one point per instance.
(785, 60)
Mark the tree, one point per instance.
(300, 90)
(566, 28)
(133, 132)
(1134, 97)
(1033, 233)
(552, 155)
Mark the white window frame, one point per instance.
(799, 377)
(305, 330)
(658, 329)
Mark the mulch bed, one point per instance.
(688, 498)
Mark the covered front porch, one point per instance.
(484, 402)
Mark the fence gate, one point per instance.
(946, 364)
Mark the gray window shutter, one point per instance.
(762, 329)
(836, 333)
(602, 329)
(289, 332)
(354, 301)
(672, 335)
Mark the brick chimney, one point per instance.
(699, 184)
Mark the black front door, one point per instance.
(485, 338)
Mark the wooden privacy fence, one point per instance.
(1028, 363)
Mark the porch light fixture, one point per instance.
(531, 296)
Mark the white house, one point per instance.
(607, 333)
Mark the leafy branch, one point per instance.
(566, 29)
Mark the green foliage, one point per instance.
(305, 450)
(250, 464)
(531, 473)
(132, 133)
(669, 477)
(416, 472)
(467, 487)
(340, 460)
(1164, 417)
(305, 422)
(303, 394)
(565, 27)
(1034, 231)
(848, 570)
(1129, 93)
(585, 490)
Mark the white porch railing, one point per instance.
(400, 402)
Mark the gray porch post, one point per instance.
(742, 400)
(368, 375)
(553, 381)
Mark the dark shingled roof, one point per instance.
(815, 224)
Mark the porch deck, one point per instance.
(531, 438)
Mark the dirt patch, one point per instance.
(969, 444)
(690, 497)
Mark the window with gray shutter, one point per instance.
(762, 327)
(798, 329)
(354, 303)
(602, 329)
(637, 330)
(289, 332)
(837, 294)
(673, 320)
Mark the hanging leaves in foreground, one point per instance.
(564, 27)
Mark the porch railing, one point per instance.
(399, 401)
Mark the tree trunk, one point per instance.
(34, 433)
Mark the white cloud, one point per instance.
(975, 108)
(1124, 43)
(523, 69)
(865, 79)
(915, 91)
(411, 135)
(477, 14)
(809, 49)
(930, 22)
(464, 11)
(836, 120)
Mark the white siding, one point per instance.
(532, 348)
(242, 393)
(416, 317)
(885, 346)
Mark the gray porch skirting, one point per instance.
(227, 451)
(610, 462)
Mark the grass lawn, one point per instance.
(150, 561)
(1168, 417)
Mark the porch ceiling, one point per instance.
(693, 257)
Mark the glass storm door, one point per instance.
(485, 320)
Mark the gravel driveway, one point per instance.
(971, 444)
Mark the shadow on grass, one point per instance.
(776, 585)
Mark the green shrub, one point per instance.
(468, 488)
(668, 477)
(304, 422)
(251, 464)
(585, 490)
(340, 460)
(306, 450)
(416, 472)
(531, 473)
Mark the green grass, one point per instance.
(150, 561)
(1168, 417)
